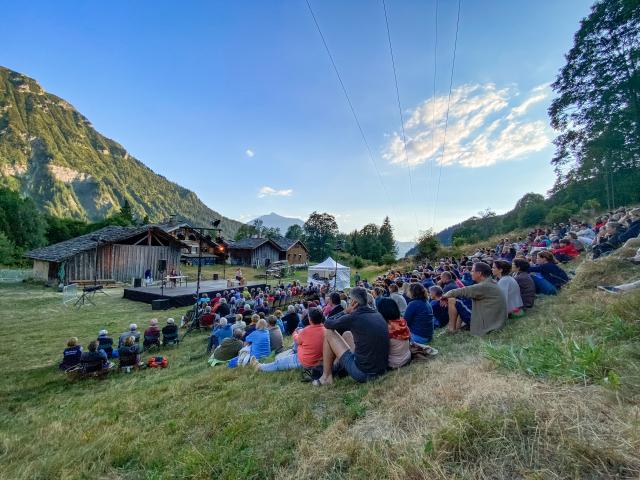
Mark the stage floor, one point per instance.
(182, 296)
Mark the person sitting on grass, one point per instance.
(489, 306)
(239, 323)
(170, 332)
(105, 343)
(309, 341)
(447, 282)
(229, 347)
(252, 326)
(363, 350)
(566, 251)
(133, 331)
(94, 359)
(258, 340)
(152, 334)
(399, 334)
(419, 315)
(553, 277)
(275, 335)
(291, 320)
(279, 322)
(394, 294)
(218, 334)
(129, 353)
(520, 271)
(510, 289)
(71, 355)
(440, 307)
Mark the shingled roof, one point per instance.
(112, 234)
(280, 243)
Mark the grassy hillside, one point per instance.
(51, 153)
(553, 395)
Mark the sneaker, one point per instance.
(609, 289)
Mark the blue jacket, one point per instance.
(220, 333)
(419, 317)
(552, 273)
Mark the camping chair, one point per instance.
(207, 320)
(170, 336)
(94, 368)
(128, 361)
(151, 341)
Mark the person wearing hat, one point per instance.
(105, 343)
(152, 334)
(170, 332)
(133, 332)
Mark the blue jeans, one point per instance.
(288, 362)
(418, 339)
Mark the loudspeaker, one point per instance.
(162, 265)
(215, 276)
(162, 304)
(137, 282)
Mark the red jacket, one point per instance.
(567, 250)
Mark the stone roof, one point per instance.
(281, 243)
(111, 234)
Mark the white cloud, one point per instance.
(272, 192)
(249, 153)
(483, 128)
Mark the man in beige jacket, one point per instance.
(489, 307)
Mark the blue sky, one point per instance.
(237, 100)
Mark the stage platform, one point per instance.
(182, 296)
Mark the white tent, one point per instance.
(330, 272)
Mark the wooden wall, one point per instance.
(130, 261)
(41, 270)
(297, 255)
(264, 251)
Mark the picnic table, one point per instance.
(173, 278)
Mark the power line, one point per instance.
(404, 136)
(353, 111)
(433, 97)
(446, 121)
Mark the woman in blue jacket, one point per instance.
(419, 315)
(554, 277)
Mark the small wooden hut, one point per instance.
(258, 252)
(110, 254)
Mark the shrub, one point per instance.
(357, 262)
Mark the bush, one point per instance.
(560, 213)
(357, 262)
(388, 259)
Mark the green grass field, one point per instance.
(553, 395)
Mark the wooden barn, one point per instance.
(110, 254)
(194, 242)
(259, 252)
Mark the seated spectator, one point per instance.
(229, 347)
(170, 332)
(218, 334)
(419, 315)
(291, 320)
(71, 355)
(566, 251)
(94, 360)
(129, 353)
(133, 331)
(259, 340)
(447, 282)
(152, 334)
(252, 326)
(309, 341)
(239, 323)
(608, 239)
(399, 334)
(279, 322)
(520, 269)
(553, 277)
(439, 307)
(501, 270)
(334, 304)
(363, 350)
(105, 343)
(207, 319)
(633, 227)
(222, 308)
(395, 295)
(489, 307)
(275, 335)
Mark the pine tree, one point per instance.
(386, 238)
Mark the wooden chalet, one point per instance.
(259, 252)
(110, 254)
(194, 242)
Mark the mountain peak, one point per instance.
(51, 153)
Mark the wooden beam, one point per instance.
(140, 241)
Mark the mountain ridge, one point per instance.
(51, 153)
(274, 220)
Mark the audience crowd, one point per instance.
(379, 326)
